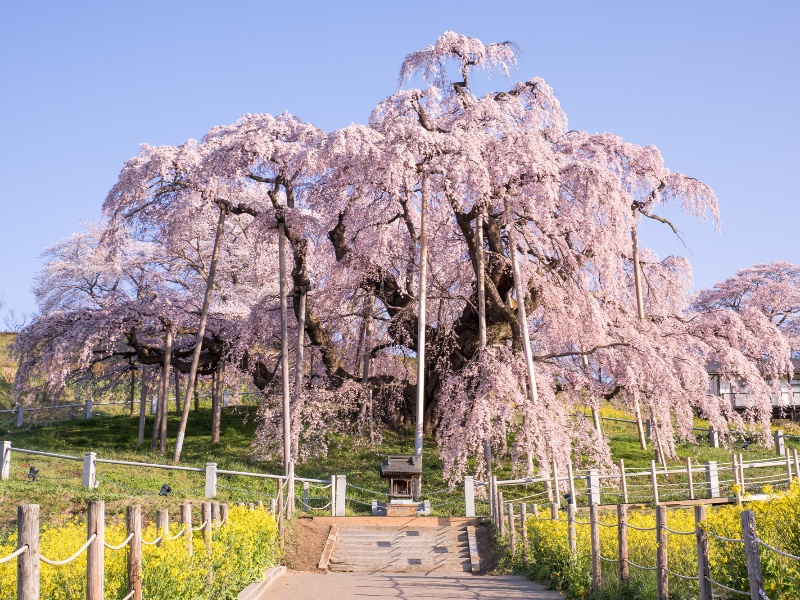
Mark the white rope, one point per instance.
(607, 524)
(724, 539)
(685, 577)
(633, 564)
(611, 560)
(129, 596)
(786, 554)
(629, 526)
(198, 528)
(14, 555)
(121, 546)
(678, 532)
(179, 534)
(725, 587)
(58, 563)
(155, 541)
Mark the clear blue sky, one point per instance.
(713, 84)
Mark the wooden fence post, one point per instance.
(597, 575)
(304, 503)
(741, 474)
(186, 523)
(205, 519)
(571, 537)
(622, 543)
(779, 444)
(662, 577)
(594, 486)
(273, 505)
(28, 577)
(512, 534)
(95, 554)
(572, 496)
(223, 512)
(133, 521)
(523, 517)
(211, 480)
(689, 477)
(713, 437)
(500, 519)
(87, 409)
(654, 481)
(736, 482)
(162, 526)
(701, 537)
(280, 508)
(624, 481)
(19, 415)
(788, 466)
(341, 496)
(796, 463)
(88, 476)
(554, 511)
(556, 488)
(5, 460)
(754, 575)
(251, 506)
(215, 514)
(469, 496)
(712, 480)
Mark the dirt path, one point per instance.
(304, 545)
(447, 586)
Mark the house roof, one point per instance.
(401, 465)
(714, 368)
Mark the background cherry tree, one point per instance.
(577, 311)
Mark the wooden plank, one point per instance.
(754, 575)
(333, 535)
(662, 577)
(597, 575)
(622, 543)
(474, 559)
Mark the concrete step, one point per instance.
(394, 568)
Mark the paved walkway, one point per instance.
(439, 586)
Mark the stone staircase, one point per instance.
(399, 549)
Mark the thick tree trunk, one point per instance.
(365, 362)
(177, 391)
(214, 408)
(133, 387)
(218, 387)
(299, 358)
(201, 330)
(523, 318)
(422, 296)
(142, 404)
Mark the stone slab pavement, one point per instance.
(439, 586)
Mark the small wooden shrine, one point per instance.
(405, 487)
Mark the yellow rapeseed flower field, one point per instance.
(777, 523)
(240, 550)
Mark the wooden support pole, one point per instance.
(501, 521)
(654, 481)
(304, 503)
(523, 517)
(215, 514)
(512, 535)
(28, 576)
(571, 531)
(556, 488)
(754, 575)
(205, 519)
(624, 481)
(95, 554)
(662, 577)
(224, 511)
(736, 482)
(622, 544)
(788, 466)
(796, 463)
(689, 477)
(280, 510)
(133, 522)
(251, 506)
(553, 510)
(572, 496)
(701, 538)
(186, 523)
(5, 460)
(162, 526)
(741, 474)
(597, 575)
